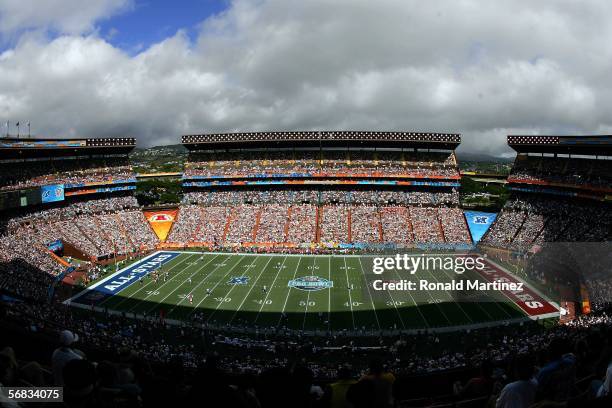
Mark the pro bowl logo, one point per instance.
(310, 283)
(239, 280)
(161, 217)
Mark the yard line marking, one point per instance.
(181, 285)
(329, 295)
(143, 287)
(369, 294)
(478, 303)
(435, 303)
(348, 285)
(289, 292)
(249, 292)
(418, 308)
(497, 302)
(228, 292)
(271, 286)
(206, 279)
(396, 309)
(100, 281)
(314, 261)
(450, 297)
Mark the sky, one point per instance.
(155, 69)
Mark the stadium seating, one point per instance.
(330, 163)
(571, 171)
(29, 174)
(328, 216)
(146, 359)
(528, 220)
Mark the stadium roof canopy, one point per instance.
(578, 145)
(444, 141)
(13, 148)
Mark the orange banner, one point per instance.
(161, 222)
(586, 300)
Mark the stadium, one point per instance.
(265, 273)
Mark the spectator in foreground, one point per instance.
(6, 373)
(381, 382)
(80, 384)
(480, 386)
(556, 379)
(606, 388)
(64, 354)
(520, 393)
(339, 388)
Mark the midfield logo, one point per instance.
(310, 283)
(239, 280)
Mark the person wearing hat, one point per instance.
(63, 354)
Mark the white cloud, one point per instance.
(473, 67)
(64, 16)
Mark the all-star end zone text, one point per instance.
(122, 279)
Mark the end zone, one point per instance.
(534, 304)
(121, 279)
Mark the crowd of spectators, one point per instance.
(15, 175)
(567, 364)
(397, 225)
(70, 211)
(573, 171)
(21, 279)
(320, 197)
(334, 224)
(242, 223)
(366, 224)
(276, 223)
(528, 220)
(332, 163)
(95, 228)
(274, 366)
(272, 225)
(426, 225)
(302, 224)
(342, 217)
(600, 292)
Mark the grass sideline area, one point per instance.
(228, 289)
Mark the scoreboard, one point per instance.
(20, 198)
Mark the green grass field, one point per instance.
(349, 304)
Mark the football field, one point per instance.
(303, 292)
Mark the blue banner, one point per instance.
(52, 193)
(55, 246)
(316, 181)
(98, 183)
(479, 223)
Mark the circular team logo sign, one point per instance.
(310, 283)
(160, 218)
